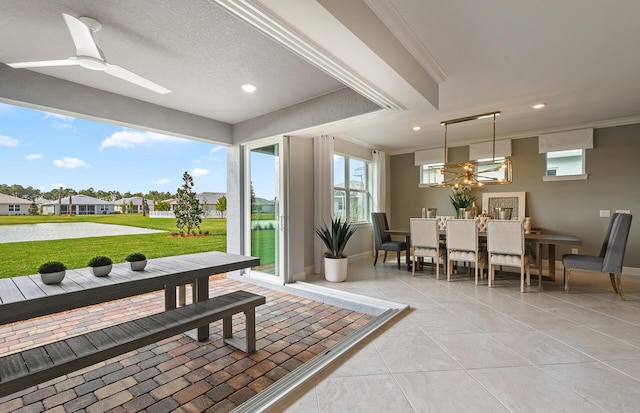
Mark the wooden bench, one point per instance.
(30, 367)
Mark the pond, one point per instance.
(46, 232)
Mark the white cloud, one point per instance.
(63, 118)
(162, 181)
(217, 148)
(8, 141)
(58, 185)
(130, 138)
(70, 163)
(60, 121)
(199, 172)
(33, 156)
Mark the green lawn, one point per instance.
(21, 258)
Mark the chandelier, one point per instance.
(472, 173)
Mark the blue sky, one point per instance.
(47, 151)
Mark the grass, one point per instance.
(22, 258)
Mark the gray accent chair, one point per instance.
(610, 258)
(382, 240)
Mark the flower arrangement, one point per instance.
(461, 197)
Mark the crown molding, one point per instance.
(391, 18)
(261, 19)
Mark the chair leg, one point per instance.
(619, 286)
(476, 268)
(490, 270)
(375, 258)
(567, 274)
(448, 266)
(413, 261)
(539, 278)
(398, 253)
(612, 277)
(521, 275)
(384, 259)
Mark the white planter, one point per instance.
(53, 277)
(137, 265)
(101, 271)
(335, 269)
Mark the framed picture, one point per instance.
(515, 200)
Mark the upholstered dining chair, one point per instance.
(425, 243)
(382, 240)
(463, 245)
(505, 245)
(611, 254)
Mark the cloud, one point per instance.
(58, 185)
(8, 141)
(33, 156)
(60, 121)
(130, 138)
(57, 116)
(162, 181)
(199, 172)
(217, 148)
(70, 163)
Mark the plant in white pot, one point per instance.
(335, 239)
(100, 265)
(52, 272)
(137, 261)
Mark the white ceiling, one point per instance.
(433, 60)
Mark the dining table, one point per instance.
(543, 243)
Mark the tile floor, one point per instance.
(466, 348)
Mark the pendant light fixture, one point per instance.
(472, 173)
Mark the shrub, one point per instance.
(135, 256)
(51, 266)
(100, 261)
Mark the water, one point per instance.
(47, 232)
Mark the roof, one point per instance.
(10, 199)
(81, 200)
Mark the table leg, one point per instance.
(201, 293)
(552, 261)
(169, 297)
(407, 257)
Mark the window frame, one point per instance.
(423, 170)
(566, 177)
(366, 190)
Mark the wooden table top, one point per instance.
(541, 238)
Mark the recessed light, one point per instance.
(417, 128)
(248, 88)
(538, 106)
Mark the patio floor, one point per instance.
(179, 374)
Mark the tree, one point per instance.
(188, 210)
(221, 205)
(163, 206)
(33, 209)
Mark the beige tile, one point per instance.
(608, 388)
(361, 361)
(630, 367)
(441, 321)
(361, 394)
(528, 389)
(413, 353)
(539, 348)
(595, 344)
(478, 350)
(447, 391)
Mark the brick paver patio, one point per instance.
(179, 374)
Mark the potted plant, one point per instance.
(461, 198)
(100, 265)
(335, 239)
(52, 272)
(137, 261)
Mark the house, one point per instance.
(12, 205)
(369, 82)
(208, 202)
(79, 205)
(133, 205)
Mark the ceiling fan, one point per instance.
(89, 56)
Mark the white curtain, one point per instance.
(379, 189)
(323, 192)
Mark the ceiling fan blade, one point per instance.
(43, 63)
(82, 37)
(129, 76)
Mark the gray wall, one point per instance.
(569, 207)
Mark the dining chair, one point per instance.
(505, 245)
(463, 245)
(382, 240)
(425, 243)
(611, 254)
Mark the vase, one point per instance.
(137, 265)
(53, 277)
(335, 269)
(101, 271)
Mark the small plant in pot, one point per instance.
(100, 265)
(335, 238)
(137, 261)
(52, 272)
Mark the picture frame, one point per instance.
(515, 200)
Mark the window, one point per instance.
(489, 169)
(430, 176)
(564, 163)
(14, 208)
(350, 188)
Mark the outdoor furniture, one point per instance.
(30, 367)
(463, 245)
(382, 240)
(426, 243)
(611, 254)
(505, 245)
